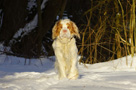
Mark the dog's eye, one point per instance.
(68, 27)
(60, 26)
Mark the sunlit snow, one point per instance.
(39, 74)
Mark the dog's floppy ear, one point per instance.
(75, 29)
(56, 30)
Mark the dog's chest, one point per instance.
(66, 50)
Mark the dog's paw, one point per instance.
(73, 76)
(62, 77)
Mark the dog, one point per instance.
(65, 48)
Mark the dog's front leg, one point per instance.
(61, 64)
(73, 70)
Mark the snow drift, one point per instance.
(40, 75)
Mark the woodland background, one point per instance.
(107, 27)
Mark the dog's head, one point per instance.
(65, 28)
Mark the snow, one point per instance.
(31, 4)
(43, 4)
(27, 28)
(4, 49)
(39, 74)
(31, 25)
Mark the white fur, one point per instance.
(66, 53)
(64, 27)
(66, 58)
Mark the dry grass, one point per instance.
(109, 26)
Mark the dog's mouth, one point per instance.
(65, 34)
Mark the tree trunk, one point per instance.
(48, 17)
(31, 45)
(13, 19)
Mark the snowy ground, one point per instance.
(112, 75)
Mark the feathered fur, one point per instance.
(65, 48)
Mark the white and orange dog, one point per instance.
(65, 48)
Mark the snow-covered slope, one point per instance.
(40, 75)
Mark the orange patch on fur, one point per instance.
(58, 28)
(70, 27)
